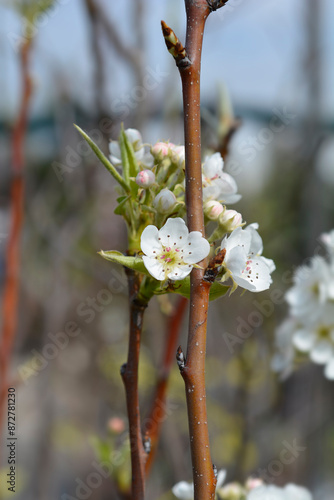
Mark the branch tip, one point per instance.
(216, 4)
(174, 46)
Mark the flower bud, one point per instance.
(145, 178)
(179, 155)
(165, 201)
(230, 220)
(253, 482)
(232, 491)
(116, 425)
(213, 209)
(162, 149)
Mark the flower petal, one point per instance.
(154, 267)
(183, 490)
(174, 232)
(303, 340)
(329, 370)
(149, 242)
(322, 352)
(294, 492)
(180, 272)
(221, 476)
(115, 153)
(196, 249)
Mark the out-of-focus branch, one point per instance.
(98, 57)
(129, 373)
(157, 412)
(11, 284)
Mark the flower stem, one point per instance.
(129, 373)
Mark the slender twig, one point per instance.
(11, 285)
(129, 373)
(188, 60)
(158, 411)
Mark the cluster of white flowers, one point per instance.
(169, 250)
(310, 326)
(254, 489)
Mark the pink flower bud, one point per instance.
(213, 209)
(231, 219)
(116, 425)
(253, 482)
(161, 149)
(165, 201)
(145, 178)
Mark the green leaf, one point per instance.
(121, 208)
(135, 263)
(104, 160)
(183, 288)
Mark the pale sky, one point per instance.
(256, 48)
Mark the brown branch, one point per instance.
(158, 408)
(129, 373)
(11, 285)
(192, 369)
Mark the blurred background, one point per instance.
(98, 63)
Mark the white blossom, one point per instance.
(271, 492)
(185, 491)
(282, 361)
(165, 201)
(243, 261)
(135, 139)
(313, 285)
(171, 252)
(328, 240)
(217, 184)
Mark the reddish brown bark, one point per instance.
(157, 412)
(11, 284)
(129, 373)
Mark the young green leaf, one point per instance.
(104, 160)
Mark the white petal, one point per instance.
(270, 263)
(133, 135)
(322, 352)
(149, 242)
(196, 248)
(256, 246)
(115, 153)
(213, 166)
(155, 268)
(148, 160)
(238, 237)
(266, 493)
(229, 199)
(174, 231)
(303, 340)
(329, 370)
(294, 492)
(221, 478)
(227, 184)
(257, 274)
(180, 272)
(183, 490)
(235, 260)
